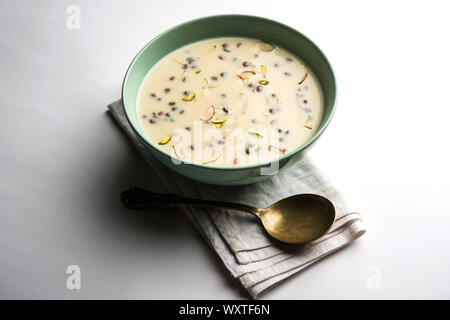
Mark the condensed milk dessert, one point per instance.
(229, 102)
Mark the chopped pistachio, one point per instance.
(198, 71)
(263, 68)
(263, 82)
(256, 135)
(219, 121)
(189, 97)
(226, 50)
(164, 140)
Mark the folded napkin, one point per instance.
(253, 258)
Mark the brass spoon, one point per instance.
(296, 219)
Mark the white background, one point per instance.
(63, 163)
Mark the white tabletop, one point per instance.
(63, 163)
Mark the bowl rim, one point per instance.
(288, 155)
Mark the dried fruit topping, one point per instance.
(263, 68)
(256, 135)
(282, 53)
(225, 47)
(209, 114)
(207, 52)
(164, 140)
(212, 160)
(219, 121)
(303, 78)
(189, 97)
(273, 148)
(246, 74)
(179, 154)
(264, 46)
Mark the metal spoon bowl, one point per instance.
(297, 219)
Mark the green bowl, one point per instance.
(227, 26)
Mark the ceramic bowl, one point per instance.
(227, 26)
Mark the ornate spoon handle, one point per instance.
(136, 198)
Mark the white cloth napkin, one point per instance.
(252, 257)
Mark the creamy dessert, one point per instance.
(229, 102)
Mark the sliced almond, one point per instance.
(281, 53)
(177, 61)
(273, 148)
(264, 46)
(246, 74)
(308, 126)
(212, 160)
(209, 114)
(303, 78)
(207, 51)
(179, 155)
